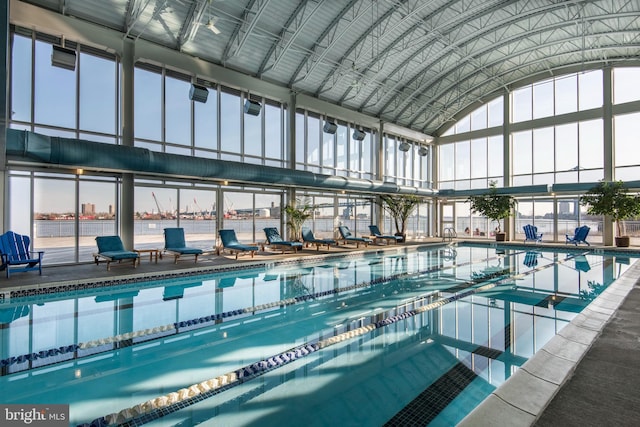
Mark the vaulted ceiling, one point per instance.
(416, 63)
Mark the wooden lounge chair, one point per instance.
(347, 237)
(230, 243)
(110, 248)
(274, 240)
(309, 239)
(579, 236)
(175, 245)
(16, 256)
(531, 233)
(377, 235)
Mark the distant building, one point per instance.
(111, 210)
(88, 209)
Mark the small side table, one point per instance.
(152, 253)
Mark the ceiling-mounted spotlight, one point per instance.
(198, 93)
(423, 151)
(330, 127)
(211, 25)
(404, 146)
(358, 135)
(252, 107)
(63, 58)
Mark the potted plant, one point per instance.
(400, 208)
(297, 213)
(493, 206)
(613, 199)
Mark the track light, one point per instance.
(63, 58)
(330, 127)
(198, 93)
(404, 146)
(358, 135)
(252, 107)
(423, 151)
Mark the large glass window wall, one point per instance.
(558, 137)
(85, 103)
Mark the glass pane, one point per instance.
(463, 160)
(522, 158)
(55, 212)
(543, 99)
(625, 84)
(567, 147)
(626, 129)
(591, 144)
(543, 147)
(20, 206)
(148, 105)
(154, 210)
(313, 140)
(197, 217)
(97, 94)
(238, 215)
(479, 118)
(230, 110)
(590, 90)
(253, 134)
(97, 215)
(496, 113)
(566, 94)
(177, 111)
(521, 104)
(21, 79)
(205, 117)
(300, 137)
(446, 162)
(495, 150)
(55, 91)
(479, 158)
(273, 132)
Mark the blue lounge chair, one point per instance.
(377, 235)
(347, 237)
(310, 239)
(231, 244)
(531, 259)
(175, 245)
(276, 241)
(531, 233)
(110, 248)
(14, 250)
(579, 236)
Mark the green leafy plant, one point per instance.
(612, 199)
(297, 213)
(400, 209)
(493, 205)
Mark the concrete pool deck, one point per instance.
(586, 375)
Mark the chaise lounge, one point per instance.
(347, 237)
(309, 239)
(274, 240)
(377, 235)
(230, 243)
(110, 249)
(14, 250)
(174, 244)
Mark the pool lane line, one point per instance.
(124, 340)
(156, 408)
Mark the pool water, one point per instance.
(400, 337)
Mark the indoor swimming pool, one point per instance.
(404, 336)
